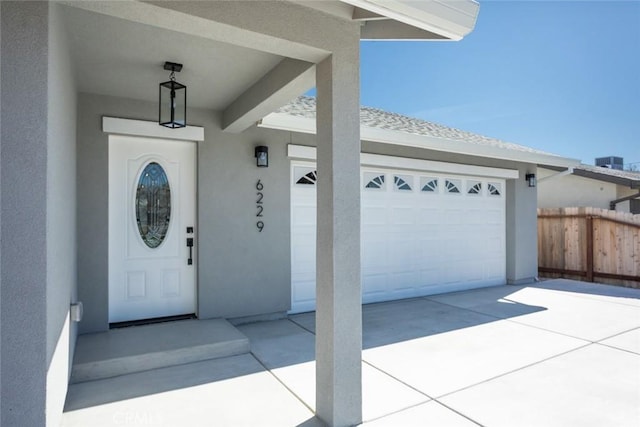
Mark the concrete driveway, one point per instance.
(558, 353)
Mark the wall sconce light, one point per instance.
(173, 99)
(262, 156)
(531, 179)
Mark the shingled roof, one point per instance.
(430, 135)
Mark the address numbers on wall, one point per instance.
(259, 206)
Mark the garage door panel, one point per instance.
(494, 269)
(304, 239)
(494, 247)
(429, 252)
(476, 216)
(430, 277)
(402, 215)
(405, 280)
(374, 283)
(495, 216)
(400, 255)
(473, 271)
(429, 216)
(414, 242)
(374, 258)
(374, 215)
(304, 215)
(454, 249)
(454, 216)
(476, 246)
(428, 232)
(455, 272)
(305, 292)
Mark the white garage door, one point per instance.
(422, 233)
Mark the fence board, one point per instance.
(590, 243)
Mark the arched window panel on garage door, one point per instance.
(374, 181)
(474, 188)
(403, 182)
(452, 186)
(494, 189)
(304, 175)
(429, 185)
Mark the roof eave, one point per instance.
(446, 19)
(607, 178)
(287, 122)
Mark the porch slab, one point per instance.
(451, 360)
(234, 391)
(141, 348)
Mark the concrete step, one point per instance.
(141, 348)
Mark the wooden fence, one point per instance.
(589, 244)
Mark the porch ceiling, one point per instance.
(118, 57)
(244, 59)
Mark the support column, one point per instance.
(23, 208)
(338, 289)
(522, 229)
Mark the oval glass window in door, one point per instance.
(153, 205)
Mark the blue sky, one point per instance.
(560, 76)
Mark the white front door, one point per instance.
(152, 190)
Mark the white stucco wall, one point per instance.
(576, 191)
(573, 191)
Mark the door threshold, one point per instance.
(152, 321)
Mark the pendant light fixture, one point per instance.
(172, 99)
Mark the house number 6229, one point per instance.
(259, 207)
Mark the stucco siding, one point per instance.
(61, 219)
(24, 52)
(522, 228)
(573, 191)
(0, 207)
(241, 272)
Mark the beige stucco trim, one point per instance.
(130, 127)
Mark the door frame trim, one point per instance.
(126, 130)
(118, 126)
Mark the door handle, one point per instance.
(190, 246)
